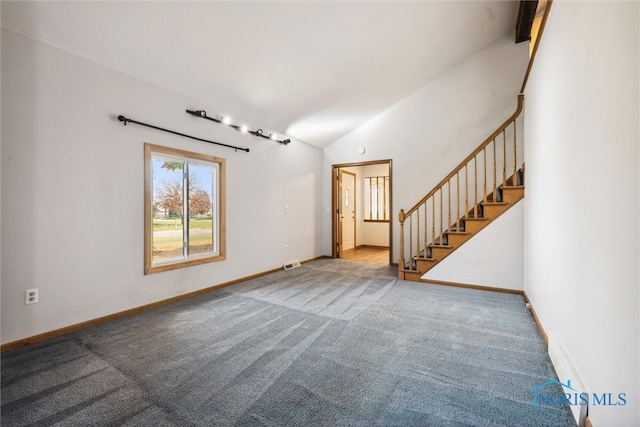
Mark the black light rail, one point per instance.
(126, 120)
(203, 115)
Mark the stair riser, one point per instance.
(456, 240)
(492, 212)
(440, 253)
(472, 227)
(424, 265)
(411, 276)
(512, 195)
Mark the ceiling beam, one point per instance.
(526, 14)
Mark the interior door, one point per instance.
(347, 211)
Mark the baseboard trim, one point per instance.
(371, 247)
(543, 334)
(14, 345)
(470, 286)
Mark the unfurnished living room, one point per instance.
(320, 213)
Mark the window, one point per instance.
(184, 209)
(376, 198)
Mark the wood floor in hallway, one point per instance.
(372, 254)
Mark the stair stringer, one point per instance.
(492, 258)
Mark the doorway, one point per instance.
(362, 206)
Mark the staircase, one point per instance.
(480, 189)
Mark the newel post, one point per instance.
(401, 217)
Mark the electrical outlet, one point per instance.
(286, 248)
(31, 296)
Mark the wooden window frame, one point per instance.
(149, 266)
(386, 188)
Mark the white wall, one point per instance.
(493, 257)
(430, 132)
(582, 202)
(72, 191)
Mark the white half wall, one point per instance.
(581, 229)
(428, 133)
(72, 191)
(493, 257)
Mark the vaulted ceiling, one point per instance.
(313, 71)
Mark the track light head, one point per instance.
(286, 141)
(225, 120)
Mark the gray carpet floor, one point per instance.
(332, 343)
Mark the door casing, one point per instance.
(335, 214)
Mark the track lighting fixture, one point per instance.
(226, 120)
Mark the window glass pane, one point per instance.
(380, 198)
(201, 209)
(367, 198)
(374, 199)
(167, 209)
(386, 198)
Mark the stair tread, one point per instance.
(513, 187)
(440, 246)
(489, 203)
(475, 218)
(461, 233)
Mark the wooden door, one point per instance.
(347, 211)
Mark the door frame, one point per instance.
(335, 176)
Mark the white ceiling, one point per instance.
(314, 71)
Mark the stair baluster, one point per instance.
(417, 232)
(433, 220)
(514, 180)
(426, 230)
(475, 186)
(484, 188)
(401, 218)
(495, 192)
(504, 158)
(440, 216)
(458, 201)
(466, 191)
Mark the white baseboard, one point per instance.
(567, 372)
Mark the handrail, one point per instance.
(457, 169)
(536, 44)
